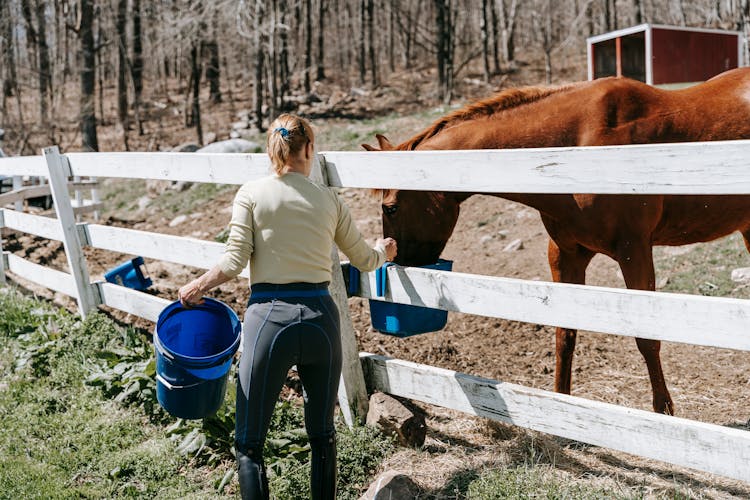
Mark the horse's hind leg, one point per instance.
(637, 265)
(566, 267)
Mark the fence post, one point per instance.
(59, 172)
(2, 255)
(18, 184)
(352, 389)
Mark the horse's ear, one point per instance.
(385, 144)
(368, 147)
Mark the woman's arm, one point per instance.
(192, 293)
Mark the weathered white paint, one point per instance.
(48, 278)
(23, 165)
(686, 168)
(38, 225)
(178, 249)
(352, 391)
(692, 319)
(131, 301)
(87, 206)
(193, 167)
(708, 447)
(58, 181)
(3, 258)
(17, 196)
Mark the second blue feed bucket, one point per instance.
(194, 350)
(404, 320)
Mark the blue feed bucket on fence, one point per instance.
(194, 350)
(129, 274)
(404, 320)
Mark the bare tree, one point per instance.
(137, 65)
(122, 68)
(508, 18)
(88, 75)
(320, 74)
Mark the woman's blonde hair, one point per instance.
(287, 136)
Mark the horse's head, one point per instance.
(420, 221)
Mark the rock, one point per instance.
(485, 239)
(143, 202)
(230, 146)
(178, 220)
(187, 147)
(209, 138)
(240, 125)
(396, 420)
(155, 187)
(663, 282)
(234, 134)
(180, 186)
(741, 275)
(503, 233)
(514, 245)
(391, 485)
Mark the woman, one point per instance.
(285, 226)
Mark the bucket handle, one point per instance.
(173, 387)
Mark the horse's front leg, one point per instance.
(637, 265)
(567, 267)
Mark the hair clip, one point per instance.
(283, 131)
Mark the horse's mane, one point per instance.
(504, 100)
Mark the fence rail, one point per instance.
(696, 168)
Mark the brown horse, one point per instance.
(624, 227)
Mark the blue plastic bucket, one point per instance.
(403, 320)
(194, 350)
(129, 274)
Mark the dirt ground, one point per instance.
(707, 384)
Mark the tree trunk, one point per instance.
(258, 75)
(444, 46)
(88, 76)
(485, 42)
(308, 44)
(283, 54)
(10, 82)
(45, 71)
(508, 25)
(213, 71)
(681, 12)
(495, 52)
(273, 98)
(321, 73)
(122, 65)
(371, 42)
(392, 36)
(637, 11)
(137, 67)
(745, 28)
(195, 66)
(363, 36)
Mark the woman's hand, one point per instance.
(391, 248)
(191, 294)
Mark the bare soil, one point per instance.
(709, 385)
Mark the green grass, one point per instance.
(80, 420)
(706, 269)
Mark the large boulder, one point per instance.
(396, 420)
(231, 146)
(391, 485)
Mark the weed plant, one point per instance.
(80, 420)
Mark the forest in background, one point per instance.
(71, 67)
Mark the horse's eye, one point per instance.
(390, 209)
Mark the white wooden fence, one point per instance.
(691, 168)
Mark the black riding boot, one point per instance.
(323, 468)
(252, 474)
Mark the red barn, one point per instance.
(667, 56)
